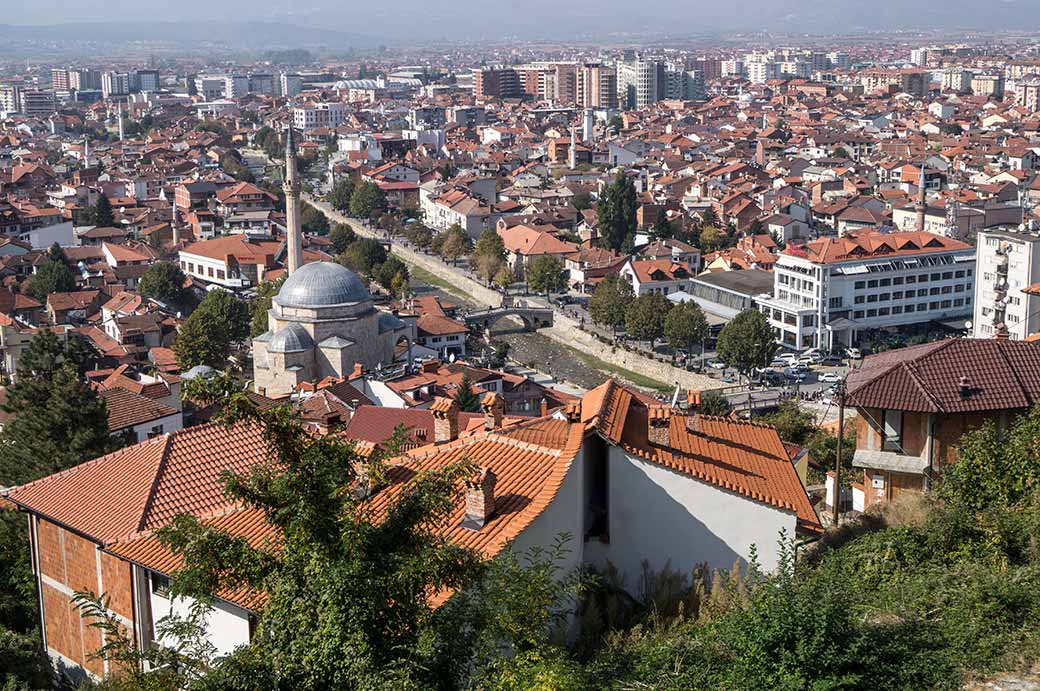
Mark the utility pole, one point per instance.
(837, 457)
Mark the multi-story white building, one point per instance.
(957, 79)
(319, 115)
(762, 70)
(290, 85)
(1019, 251)
(839, 60)
(827, 292)
(733, 68)
(637, 83)
(115, 84)
(210, 86)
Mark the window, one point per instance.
(897, 281)
(897, 309)
(934, 291)
(911, 293)
(946, 304)
(898, 295)
(884, 297)
(871, 313)
(946, 290)
(160, 585)
(893, 430)
(872, 284)
(872, 298)
(933, 305)
(155, 431)
(959, 288)
(209, 271)
(860, 299)
(909, 308)
(885, 282)
(947, 275)
(959, 274)
(883, 312)
(860, 285)
(935, 277)
(220, 274)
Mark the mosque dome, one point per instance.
(292, 338)
(322, 284)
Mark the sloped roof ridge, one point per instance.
(76, 469)
(150, 500)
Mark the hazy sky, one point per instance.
(475, 18)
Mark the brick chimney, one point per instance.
(445, 420)
(359, 371)
(493, 408)
(480, 498)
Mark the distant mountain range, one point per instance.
(251, 35)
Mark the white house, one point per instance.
(662, 276)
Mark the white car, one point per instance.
(789, 358)
(853, 353)
(829, 378)
(717, 364)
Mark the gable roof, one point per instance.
(999, 375)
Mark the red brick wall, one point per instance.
(71, 562)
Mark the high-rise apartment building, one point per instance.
(1007, 262)
(637, 81)
(36, 102)
(60, 79)
(290, 85)
(957, 79)
(839, 60)
(146, 80)
(84, 80)
(1027, 94)
(496, 83)
(988, 85)
(597, 86)
(115, 84)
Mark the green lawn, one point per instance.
(424, 276)
(634, 377)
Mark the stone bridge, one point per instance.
(532, 317)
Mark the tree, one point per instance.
(162, 281)
(616, 213)
(645, 316)
(546, 275)
(465, 397)
(686, 326)
(341, 235)
(341, 194)
(259, 308)
(608, 302)
(313, 221)
(489, 254)
(504, 277)
(420, 236)
(207, 336)
(190, 86)
(747, 342)
(840, 152)
(51, 277)
(364, 256)
(373, 572)
(714, 404)
(455, 243)
(711, 239)
(995, 468)
(951, 129)
(391, 269)
(368, 198)
(581, 200)
(708, 218)
(58, 419)
(662, 229)
(793, 423)
(102, 213)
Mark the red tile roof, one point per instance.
(873, 245)
(1000, 375)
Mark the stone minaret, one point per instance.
(572, 156)
(294, 240)
(120, 121)
(922, 201)
(173, 222)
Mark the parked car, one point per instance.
(715, 363)
(795, 374)
(790, 358)
(830, 361)
(830, 378)
(853, 353)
